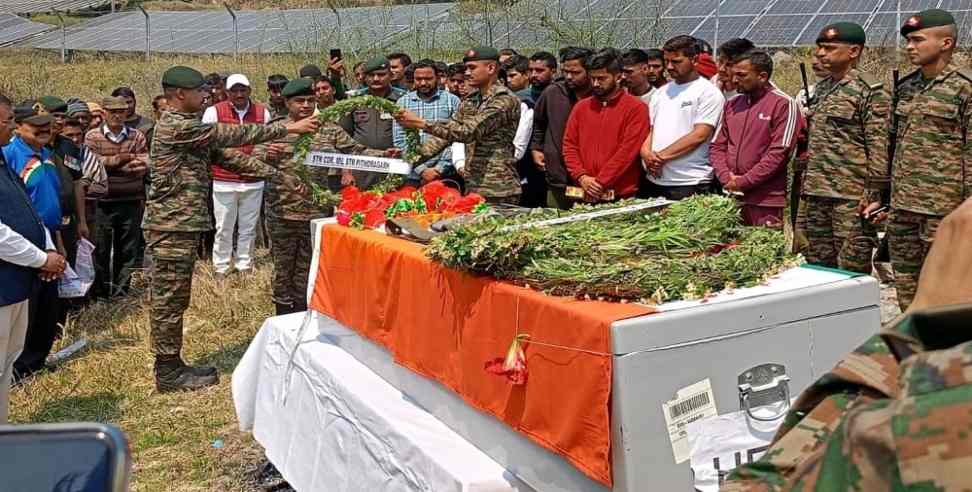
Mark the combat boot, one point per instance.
(171, 374)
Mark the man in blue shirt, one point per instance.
(29, 158)
(432, 104)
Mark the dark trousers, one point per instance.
(535, 188)
(45, 316)
(119, 246)
(652, 190)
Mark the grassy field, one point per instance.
(182, 441)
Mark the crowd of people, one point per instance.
(847, 157)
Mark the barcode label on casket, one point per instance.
(694, 403)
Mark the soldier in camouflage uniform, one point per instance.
(289, 207)
(486, 122)
(930, 175)
(895, 414)
(847, 158)
(176, 214)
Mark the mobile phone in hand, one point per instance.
(336, 54)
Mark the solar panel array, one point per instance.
(13, 28)
(33, 6)
(525, 24)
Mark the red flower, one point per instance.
(374, 218)
(514, 365)
(343, 217)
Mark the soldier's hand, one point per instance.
(868, 212)
(409, 119)
(306, 125)
(294, 183)
(275, 151)
(944, 279)
(539, 159)
(393, 152)
(430, 175)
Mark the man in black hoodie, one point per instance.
(550, 120)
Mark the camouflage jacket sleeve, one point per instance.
(432, 147)
(218, 135)
(866, 375)
(876, 119)
(469, 126)
(245, 165)
(966, 116)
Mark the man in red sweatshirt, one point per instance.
(604, 134)
(756, 141)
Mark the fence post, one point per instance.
(236, 32)
(715, 38)
(63, 37)
(148, 33)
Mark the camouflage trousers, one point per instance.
(292, 250)
(173, 259)
(910, 237)
(839, 237)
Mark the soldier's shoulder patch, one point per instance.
(871, 81)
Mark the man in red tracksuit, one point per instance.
(604, 134)
(757, 138)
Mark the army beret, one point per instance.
(32, 112)
(926, 19)
(183, 78)
(842, 32)
(481, 54)
(376, 63)
(53, 104)
(312, 71)
(116, 103)
(298, 87)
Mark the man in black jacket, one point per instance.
(23, 241)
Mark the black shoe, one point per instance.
(171, 374)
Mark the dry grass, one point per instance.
(171, 435)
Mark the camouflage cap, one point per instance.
(298, 87)
(926, 19)
(113, 103)
(32, 112)
(376, 63)
(53, 104)
(842, 32)
(481, 53)
(183, 78)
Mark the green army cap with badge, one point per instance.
(842, 32)
(482, 53)
(183, 78)
(298, 87)
(53, 104)
(927, 18)
(32, 112)
(376, 63)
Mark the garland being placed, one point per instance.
(324, 197)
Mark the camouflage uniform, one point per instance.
(289, 212)
(847, 162)
(176, 213)
(487, 125)
(893, 415)
(930, 177)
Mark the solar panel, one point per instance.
(795, 7)
(955, 5)
(13, 28)
(809, 36)
(34, 6)
(729, 27)
(843, 6)
(777, 30)
(687, 8)
(909, 6)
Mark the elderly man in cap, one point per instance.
(119, 245)
(370, 127)
(176, 213)
(847, 161)
(30, 157)
(289, 207)
(487, 119)
(134, 119)
(26, 249)
(236, 199)
(278, 103)
(932, 169)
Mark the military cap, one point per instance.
(842, 32)
(376, 63)
(53, 104)
(32, 112)
(116, 103)
(926, 19)
(298, 87)
(311, 71)
(482, 53)
(183, 78)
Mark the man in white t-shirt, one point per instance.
(689, 110)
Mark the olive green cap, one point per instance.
(32, 112)
(183, 78)
(926, 19)
(53, 104)
(481, 53)
(298, 87)
(116, 103)
(842, 32)
(376, 63)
